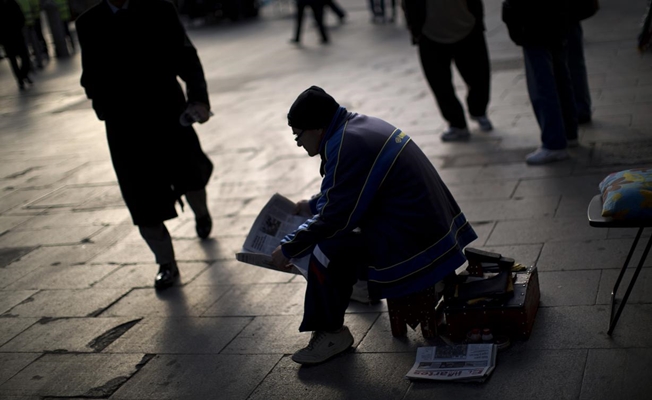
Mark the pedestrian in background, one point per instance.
(32, 8)
(337, 9)
(64, 14)
(580, 10)
(447, 31)
(12, 22)
(542, 28)
(317, 7)
(132, 53)
(377, 8)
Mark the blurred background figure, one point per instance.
(377, 8)
(337, 9)
(38, 28)
(32, 8)
(12, 22)
(317, 7)
(580, 10)
(64, 14)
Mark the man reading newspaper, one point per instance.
(383, 215)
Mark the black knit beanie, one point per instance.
(313, 109)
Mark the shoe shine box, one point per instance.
(513, 318)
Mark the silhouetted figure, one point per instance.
(580, 10)
(337, 9)
(383, 215)
(377, 8)
(447, 31)
(317, 7)
(541, 27)
(131, 58)
(12, 22)
(64, 14)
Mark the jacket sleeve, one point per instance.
(342, 202)
(189, 66)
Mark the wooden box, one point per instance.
(514, 318)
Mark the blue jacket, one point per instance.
(377, 179)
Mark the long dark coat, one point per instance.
(130, 63)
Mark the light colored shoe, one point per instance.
(453, 134)
(324, 345)
(483, 121)
(571, 143)
(544, 156)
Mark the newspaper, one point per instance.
(274, 221)
(462, 362)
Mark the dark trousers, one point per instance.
(551, 94)
(335, 266)
(337, 9)
(472, 61)
(317, 12)
(577, 68)
(17, 50)
(377, 8)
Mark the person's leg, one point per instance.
(300, 7)
(436, 63)
(577, 67)
(335, 266)
(472, 61)
(318, 13)
(565, 92)
(159, 241)
(337, 9)
(203, 222)
(541, 85)
(15, 68)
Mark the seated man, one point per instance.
(383, 215)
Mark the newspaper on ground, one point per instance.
(462, 362)
(275, 220)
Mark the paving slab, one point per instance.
(66, 303)
(584, 254)
(142, 275)
(544, 231)
(493, 190)
(569, 288)
(503, 210)
(280, 334)
(54, 236)
(233, 272)
(63, 335)
(10, 299)
(12, 326)
(172, 302)
(154, 335)
(62, 277)
(585, 327)
(641, 292)
(600, 381)
(379, 339)
(261, 299)
(12, 363)
(179, 377)
(348, 376)
(73, 375)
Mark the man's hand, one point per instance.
(279, 260)
(199, 112)
(303, 208)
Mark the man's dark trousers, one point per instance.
(335, 266)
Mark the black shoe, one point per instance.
(203, 226)
(167, 275)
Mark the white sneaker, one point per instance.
(545, 156)
(483, 121)
(324, 345)
(453, 134)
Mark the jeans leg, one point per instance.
(159, 241)
(577, 67)
(565, 92)
(436, 61)
(541, 85)
(300, 8)
(318, 13)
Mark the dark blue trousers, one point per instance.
(335, 266)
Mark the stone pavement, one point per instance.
(80, 319)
